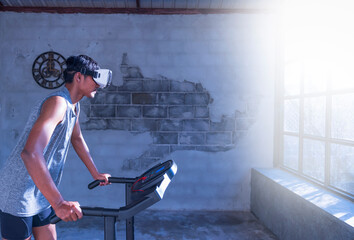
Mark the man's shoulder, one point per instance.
(56, 98)
(54, 106)
(55, 102)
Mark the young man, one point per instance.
(30, 176)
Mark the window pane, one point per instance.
(315, 75)
(343, 116)
(314, 159)
(292, 78)
(291, 115)
(343, 74)
(342, 167)
(315, 116)
(291, 152)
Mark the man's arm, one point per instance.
(51, 115)
(83, 152)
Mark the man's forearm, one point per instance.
(83, 152)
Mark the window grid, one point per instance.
(327, 139)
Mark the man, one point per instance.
(30, 176)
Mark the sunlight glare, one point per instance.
(319, 36)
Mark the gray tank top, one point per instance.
(19, 195)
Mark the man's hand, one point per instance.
(68, 211)
(103, 176)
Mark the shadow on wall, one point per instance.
(175, 113)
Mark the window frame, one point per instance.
(279, 134)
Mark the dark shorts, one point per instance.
(13, 227)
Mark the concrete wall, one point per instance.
(200, 91)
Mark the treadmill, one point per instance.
(140, 193)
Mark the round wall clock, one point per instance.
(48, 68)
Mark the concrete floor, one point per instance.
(174, 225)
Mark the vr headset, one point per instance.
(102, 77)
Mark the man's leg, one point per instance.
(41, 227)
(47, 232)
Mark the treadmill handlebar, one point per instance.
(121, 213)
(91, 211)
(112, 180)
(54, 219)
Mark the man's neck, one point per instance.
(74, 93)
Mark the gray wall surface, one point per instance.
(198, 89)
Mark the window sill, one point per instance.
(289, 205)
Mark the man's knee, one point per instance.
(47, 232)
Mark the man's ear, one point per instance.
(77, 76)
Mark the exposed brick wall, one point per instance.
(175, 113)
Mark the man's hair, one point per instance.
(76, 63)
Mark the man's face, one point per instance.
(90, 86)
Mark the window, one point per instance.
(316, 93)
